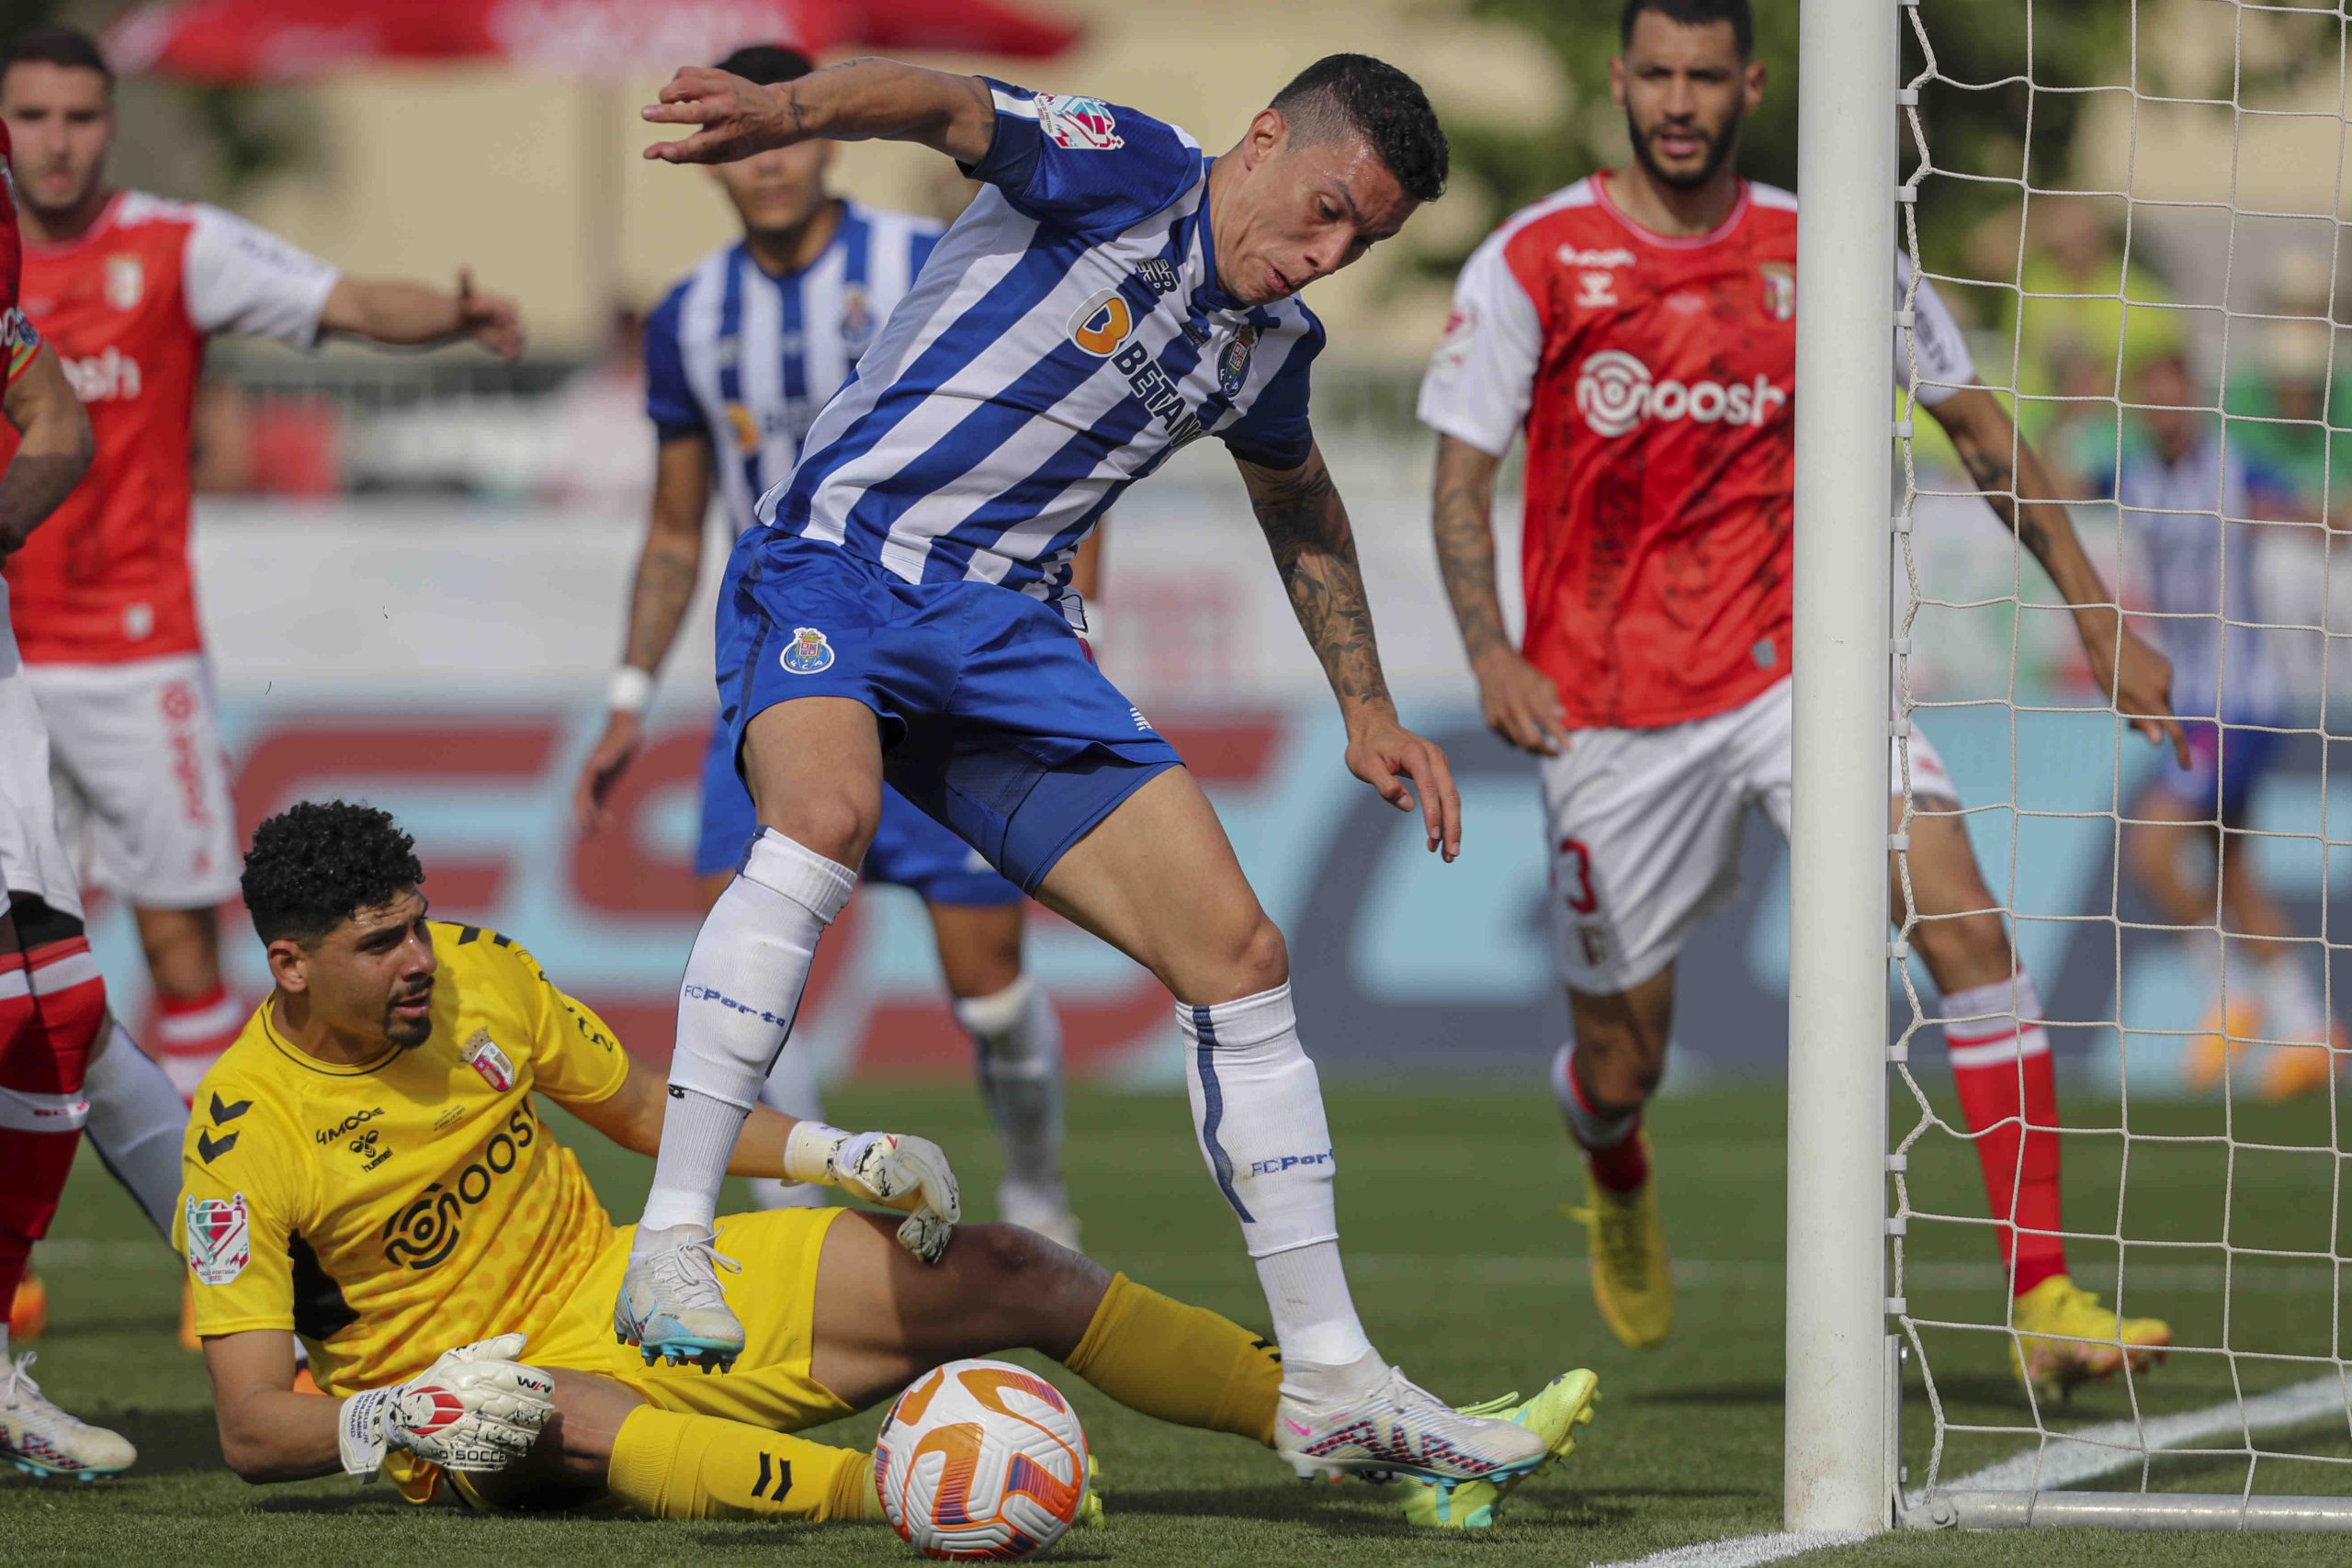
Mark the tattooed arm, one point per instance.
(1521, 704)
(667, 568)
(2022, 493)
(1315, 550)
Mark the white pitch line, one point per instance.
(1742, 1551)
(2072, 1457)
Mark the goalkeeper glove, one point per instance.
(893, 1169)
(474, 1409)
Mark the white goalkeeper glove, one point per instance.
(474, 1409)
(896, 1170)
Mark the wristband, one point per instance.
(359, 1431)
(630, 689)
(809, 1153)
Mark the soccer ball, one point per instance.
(980, 1461)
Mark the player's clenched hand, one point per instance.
(736, 118)
(2138, 680)
(1522, 705)
(1385, 754)
(896, 1170)
(615, 750)
(490, 320)
(475, 1408)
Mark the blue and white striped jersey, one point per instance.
(1067, 336)
(748, 358)
(2191, 523)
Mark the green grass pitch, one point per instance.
(1466, 1273)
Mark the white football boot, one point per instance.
(39, 1439)
(1397, 1427)
(671, 1305)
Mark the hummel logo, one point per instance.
(221, 1112)
(207, 1149)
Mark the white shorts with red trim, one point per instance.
(32, 857)
(1644, 830)
(142, 781)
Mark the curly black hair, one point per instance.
(314, 864)
(1356, 95)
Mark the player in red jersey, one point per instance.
(130, 288)
(1640, 326)
(52, 1002)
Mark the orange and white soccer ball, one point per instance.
(980, 1461)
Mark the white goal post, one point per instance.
(1854, 1174)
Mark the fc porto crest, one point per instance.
(808, 652)
(483, 1054)
(857, 319)
(1233, 364)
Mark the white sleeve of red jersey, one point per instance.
(1482, 377)
(239, 277)
(1945, 365)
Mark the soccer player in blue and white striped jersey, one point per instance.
(1113, 293)
(739, 356)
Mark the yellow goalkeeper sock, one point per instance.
(1181, 1363)
(675, 1466)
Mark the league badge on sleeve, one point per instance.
(809, 653)
(483, 1054)
(219, 1238)
(1082, 125)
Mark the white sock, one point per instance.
(791, 1087)
(735, 1009)
(137, 1121)
(1257, 1112)
(2297, 1012)
(1017, 1042)
(1590, 1128)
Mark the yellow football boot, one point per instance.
(1564, 1405)
(1632, 1281)
(2064, 1337)
(2222, 1040)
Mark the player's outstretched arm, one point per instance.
(895, 1171)
(475, 1408)
(414, 314)
(667, 568)
(53, 452)
(858, 100)
(2024, 495)
(1315, 549)
(1521, 704)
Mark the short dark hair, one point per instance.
(55, 45)
(1694, 14)
(315, 864)
(1356, 95)
(767, 64)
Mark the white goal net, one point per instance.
(2136, 208)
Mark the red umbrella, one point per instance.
(249, 40)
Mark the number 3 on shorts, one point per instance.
(1575, 857)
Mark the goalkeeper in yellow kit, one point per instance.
(365, 1168)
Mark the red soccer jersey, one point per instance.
(1655, 379)
(129, 306)
(17, 342)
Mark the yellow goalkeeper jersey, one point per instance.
(388, 1211)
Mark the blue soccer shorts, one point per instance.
(910, 849)
(2226, 761)
(995, 721)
